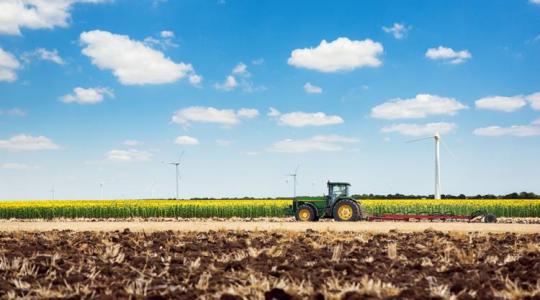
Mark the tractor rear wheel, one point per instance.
(306, 213)
(346, 210)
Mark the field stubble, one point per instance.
(271, 265)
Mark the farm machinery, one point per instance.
(340, 206)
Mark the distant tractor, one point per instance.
(337, 204)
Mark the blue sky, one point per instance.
(106, 91)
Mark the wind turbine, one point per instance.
(101, 190)
(437, 138)
(176, 164)
(293, 175)
(52, 192)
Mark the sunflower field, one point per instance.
(48, 209)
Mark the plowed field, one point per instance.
(268, 265)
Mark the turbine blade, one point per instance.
(181, 154)
(420, 139)
(448, 149)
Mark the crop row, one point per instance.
(246, 208)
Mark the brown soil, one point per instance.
(268, 265)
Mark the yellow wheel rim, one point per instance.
(345, 212)
(304, 214)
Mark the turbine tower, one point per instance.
(176, 164)
(437, 138)
(293, 175)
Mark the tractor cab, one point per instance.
(337, 190)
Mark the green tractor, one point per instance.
(337, 204)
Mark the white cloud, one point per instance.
(240, 69)
(8, 65)
(223, 143)
(258, 61)
(229, 84)
(398, 30)
(420, 106)
(15, 166)
(15, 112)
(301, 119)
(195, 79)
(341, 54)
(44, 54)
(312, 89)
(87, 96)
(515, 130)
(132, 143)
(166, 34)
(199, 114)
(535, 1)
(35, 14)
(420, 129)
(248, 113)
(23, 142)
(536, 122)
(131, 155)
(500, 103)
(448, 54)
(131, 61)
(186, 140)
(534, 100)
(324, 143)
(273, 112)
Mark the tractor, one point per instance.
(337, 204)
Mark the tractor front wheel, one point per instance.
(305, 213)
(346, 210)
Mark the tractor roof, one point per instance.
(338, 183)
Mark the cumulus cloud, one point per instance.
(534, 100)
(398, 30)
(341, 54)
(324, 143)
(131, 155)
(8, 65)
(199, 114)
(186, 140)
(420, 106)
(509, 103)
(23, 142)
(515, 130)
(35, 14)
(273, 112)
(229, 84)
(15, 166)
(131, 61)
(301, 119)
(500, 103)
(248, 113)
(312, 89)
(240, 69)
(166, 34)
(448, 54)
(44, 54)
(420, 129)
(14, 112)
(87, 96)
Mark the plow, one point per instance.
(340, 206)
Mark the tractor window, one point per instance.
(339, 190)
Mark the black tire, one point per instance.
(346, 210)
(490, 218)
(300, 214)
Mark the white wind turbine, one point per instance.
(293, 175)
(176, 164)
(437, 138)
